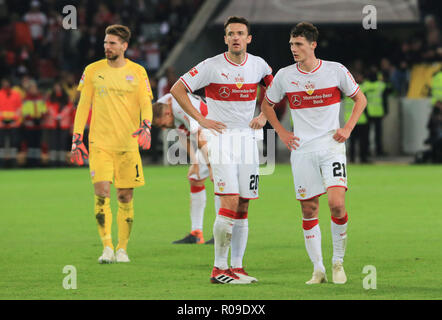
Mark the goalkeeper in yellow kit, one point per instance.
(119, 93)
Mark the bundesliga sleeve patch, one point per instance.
(193, 72)
(82, 79)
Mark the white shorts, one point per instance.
(315, 172)
(234, 160)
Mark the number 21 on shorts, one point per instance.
(339, 169)
(254, 181)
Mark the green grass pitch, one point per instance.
(47, 222)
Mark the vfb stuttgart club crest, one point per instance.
(239, 81)
(302, 191)
(309, 88)
(221, 185)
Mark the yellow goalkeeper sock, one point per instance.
(103, 214)
(125, 219)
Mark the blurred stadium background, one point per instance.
(47, 219)
(400, 62)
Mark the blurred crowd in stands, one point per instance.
(392, 76)
(41, 63)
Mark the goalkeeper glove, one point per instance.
(79, 152)
(143, 134)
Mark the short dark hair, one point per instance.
(236, 19)
(306, 30)
(158, 111)
(119, 30)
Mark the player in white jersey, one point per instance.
(313, 88)
(168, 114)
(230, 81)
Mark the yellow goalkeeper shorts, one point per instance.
(123, 166)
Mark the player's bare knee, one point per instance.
(124, 198)
(102, 193)
(125, 195)
(243, 205)
(102, 189)
(337, 207)
(309, 209)
(230, 202)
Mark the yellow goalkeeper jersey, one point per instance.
(120, 99)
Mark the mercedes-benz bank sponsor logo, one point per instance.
(224, 92)
(296, 101)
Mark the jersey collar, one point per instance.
(314, 69)
(236, 64)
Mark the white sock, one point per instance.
(222, 233)
(339, 237)
(240, 234)
(312, 237)
(197, 206)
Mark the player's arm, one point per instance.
(202, 145)
(286, 136)
(196, 141)
(260, 121)
(83, 107)
(79, 152)
(343, 134)
(145, 97)
(179, 92)
(349, 87)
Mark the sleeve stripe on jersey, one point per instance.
(354, 93)
(185, 83)
(267, 98)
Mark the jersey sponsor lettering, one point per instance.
(320, 98)
(231, 92)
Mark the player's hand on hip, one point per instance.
(289, 139)
(212, 125)
(79, 152)
(194, 169)
(143, 133)
(257, 123)
(341, 135)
